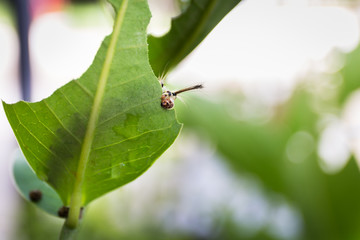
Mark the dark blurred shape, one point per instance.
(35, 195)
(25, 10)
(63, 212)
(23, 18)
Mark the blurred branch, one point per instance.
(22, 12)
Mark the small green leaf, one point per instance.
(187, 31)
(104, 129)
(27, 181)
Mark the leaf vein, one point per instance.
(141, 170)
(74, 107)
(61, 123)
(120, 113)
(130, 138)
(82, 87)
(76, 196)
(131, 80)
(109, 168)
(42, 144)
(48, 129)
(133, 46)
(29, 149)
(38, 140)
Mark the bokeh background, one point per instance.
(270, 149)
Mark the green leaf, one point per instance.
(104, 129)
(27, 181)
(187, 31)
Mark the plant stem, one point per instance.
(68, 233)
(76, 197)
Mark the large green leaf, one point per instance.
(187, 31)
(104, 129)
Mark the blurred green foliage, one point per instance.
(328, 202)
(351, 75)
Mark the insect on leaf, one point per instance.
(106, 128)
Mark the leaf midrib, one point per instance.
(76, 196)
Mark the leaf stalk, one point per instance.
(68, 233)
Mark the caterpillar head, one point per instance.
(168, 100)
